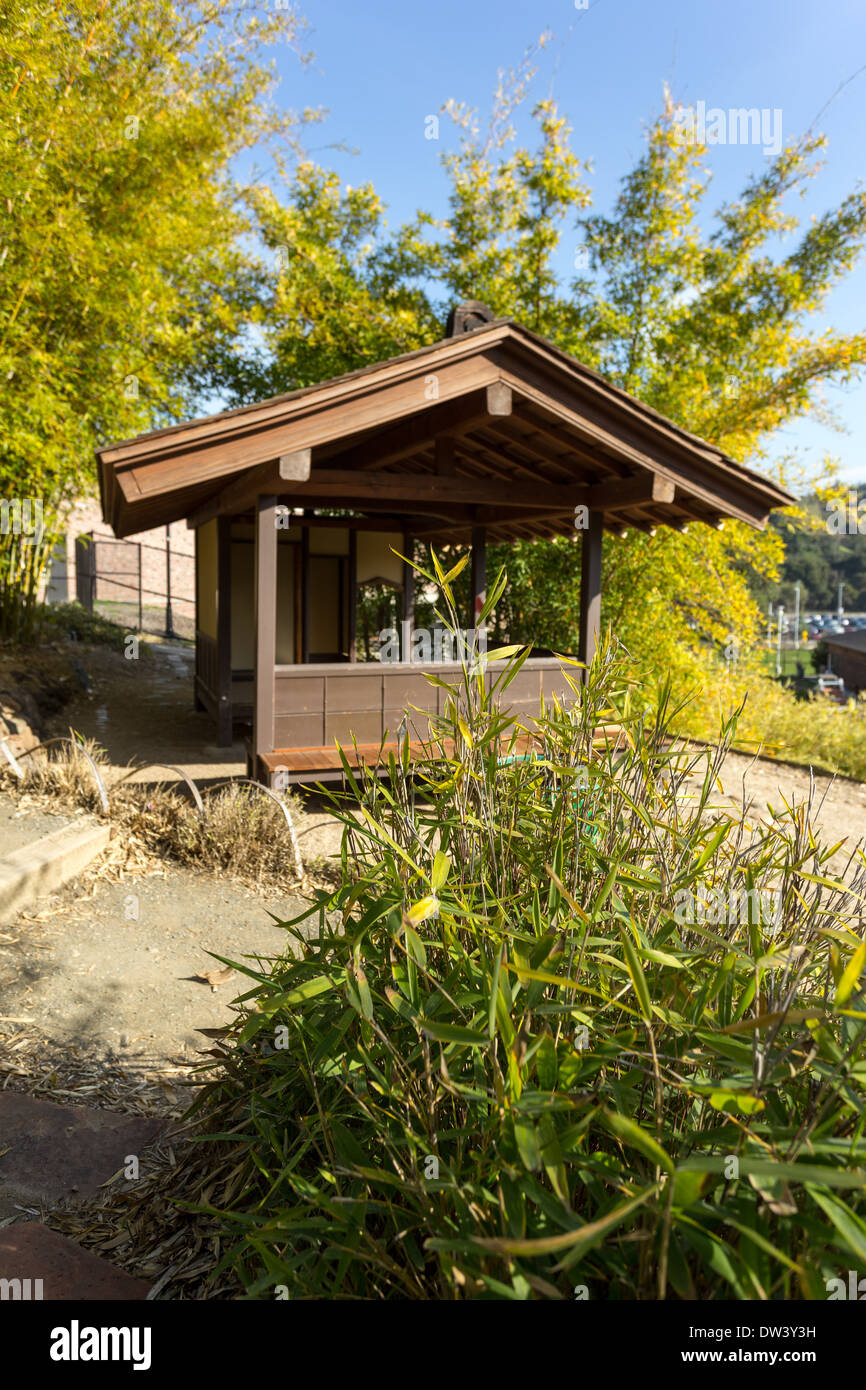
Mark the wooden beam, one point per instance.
(328, 486)
(378, 521)
(265, 626)
(401, 440)
(621, 493)
(394, 515)
(590, 587)
(224, 631)
(352, 489)
(444, 454)
(349, 489)
(264, 479)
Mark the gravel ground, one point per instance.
(89, 972)
(80, 964)
(842, 815)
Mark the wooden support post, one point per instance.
(224, 631)
(297, 582)
(408, 610)
(590, 587)
(198, 702)
(352, 584)
(479, 573)
(305, 595)
(266, 627)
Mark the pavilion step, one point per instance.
(315, 764)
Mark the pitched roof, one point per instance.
(496, 426)
(848, 641)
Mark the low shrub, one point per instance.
(572, 1025)
(776, 722)
(241, 833)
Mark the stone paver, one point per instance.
(49, 1152)
(31, 1251)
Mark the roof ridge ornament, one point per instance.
(466, 316)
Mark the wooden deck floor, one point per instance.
(323, 764)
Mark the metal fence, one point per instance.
(147, 587)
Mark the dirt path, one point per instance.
(842, 815)
(142, 711)
(115, 971)
(108, 964)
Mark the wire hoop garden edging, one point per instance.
(14, 763)
(16, 767)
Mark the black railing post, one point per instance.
(169, 629)
(84, 566)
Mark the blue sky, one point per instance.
(381, 67)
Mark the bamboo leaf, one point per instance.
(578, 1241)
(452, 1033)
(628, 1132)
(638, 978)
(851, 975)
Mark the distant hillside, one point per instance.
(820, 559)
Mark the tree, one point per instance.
(120, 249)
(329, 305)
(710, 329)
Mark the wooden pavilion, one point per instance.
(492, 434)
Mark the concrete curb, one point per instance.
(39, 868)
